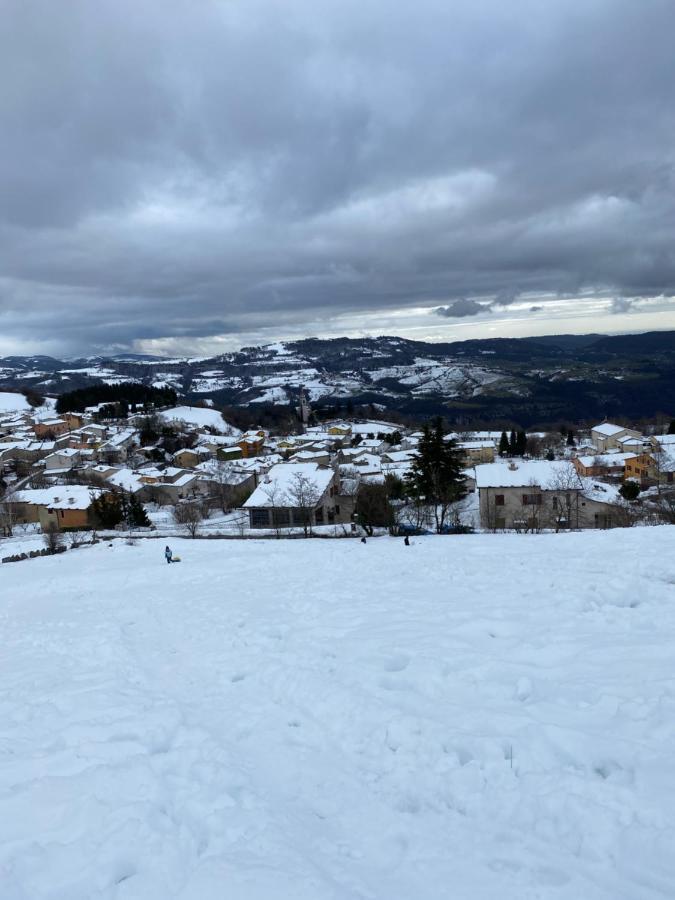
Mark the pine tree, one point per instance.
(107, 510)
(671, 427)
(512, 443)
(521, 443)
(136, 516)
(570, 438)
(436, 472)
(503, 445)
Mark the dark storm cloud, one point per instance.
(189, 169)
(461, 308)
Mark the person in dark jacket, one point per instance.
(168, 554)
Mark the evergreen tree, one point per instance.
(135, 514)
(503, 445)
(570, 438)
(521, 443)
(671, 427)
(107, 510)
(512, 443)
(436, 472)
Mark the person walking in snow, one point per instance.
(168, 554)
(406, 541)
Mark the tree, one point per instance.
(304, 495)
(107, 510)
(188, 514)
(504, 444)
(220, 477)
(630, 490)
(671, 427)
(373, 507)
(570, 439)
(7, 512)
(53, 538)
(436, 473)
(564, 506)
(512, 443)
(134, 512)
(521, 443)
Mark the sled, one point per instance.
(175, 559)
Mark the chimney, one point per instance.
(513, 467)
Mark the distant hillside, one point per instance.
(534, 381)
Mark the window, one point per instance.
(281, 517)
(531, 499)
(318, 516)
(337, 510)
(499, 500)
(260, 518)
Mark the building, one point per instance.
(65, 507)
(599, 465)
(296, 494)
(536, 495)
(606, 436)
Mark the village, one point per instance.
(185, 470)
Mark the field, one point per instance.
(480, 717)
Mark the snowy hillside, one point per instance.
(486, 717)
(11, 402)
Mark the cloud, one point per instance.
(205, 173)
(461, 308)
(620, 305)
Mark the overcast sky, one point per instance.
(190, 176)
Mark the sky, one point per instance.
(194, 176)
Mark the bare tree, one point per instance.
(189, 515)
(563, 510)
(304, 495)
(220, 483)
(53, 538)
(278, 505)
(7, 512)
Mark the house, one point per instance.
(63, 460)
(600, 465)
(322, 457)
(50, 428)
(251, 443)
(539, 494)
(606, 436)
(342, 429)
(476, 452)
(65, 507)
(641, 467)
(189, 458)
(294, 494)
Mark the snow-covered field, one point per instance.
(11, 402)
(484, 717)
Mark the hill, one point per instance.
(477, 716)
(529, 382)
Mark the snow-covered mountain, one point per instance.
(528, 380)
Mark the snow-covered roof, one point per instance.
(61, 496)
(127, 480)
(610, 460)
(277, 487)
(539, 473)
(608, 429)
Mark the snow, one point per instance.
(199, 418)
(60, 496)
(326, 720)
(608, 429)
(277, 487)
(11, 402)
(543, 473)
